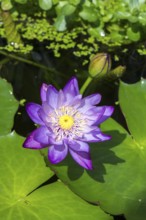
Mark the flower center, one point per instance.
(66, 122)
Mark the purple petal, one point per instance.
(92, 99)
(61, 98)
(44, 88)
(88, 129)
(96, 115)
(80, 153)
(31, 143)
(52, 96)
(93, 119)
(103, 137)
(84, 109)
(78, 146)
(93, 110)
(57, 153)
(47, 109)
(32, 110)
(71, 89)
(108, 110)
(95, 136)
(73, 101)
(41, 135)
(76, 101)
(44, 113)
(53, 141)
(82, 158)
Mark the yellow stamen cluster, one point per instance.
(66, 122)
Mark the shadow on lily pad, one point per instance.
(101, 154)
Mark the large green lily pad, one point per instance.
(21, 197)
(52, 202)
(133, 103)
(118, 179)
(8, 107)
(21, 170)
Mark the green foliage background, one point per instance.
(84, 26)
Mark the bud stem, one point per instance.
(85, 85)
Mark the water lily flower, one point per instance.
(67, 122)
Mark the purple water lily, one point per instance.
(67, 123)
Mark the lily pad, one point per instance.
(133, 103)
(22, 172)
(8, 107)
(117, 181)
